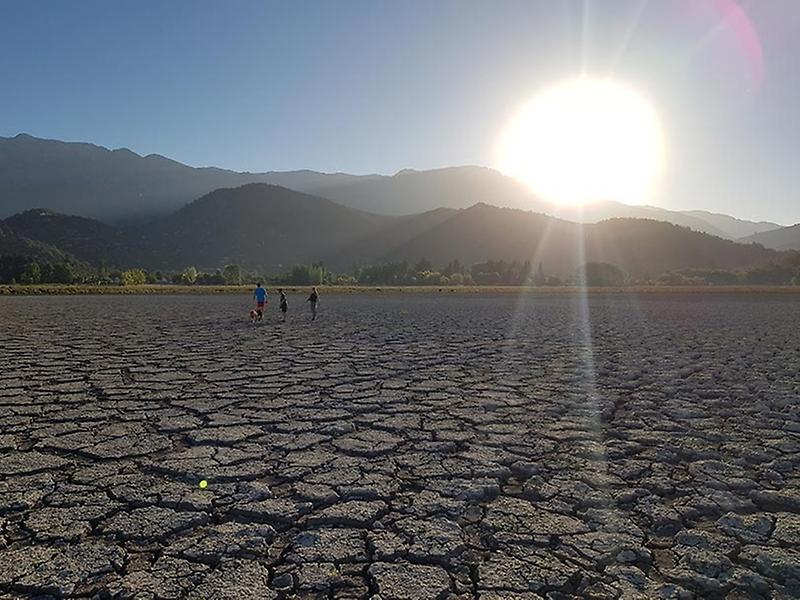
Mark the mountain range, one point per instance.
(271, 228)
(785, 238)
(119, 186)
(113, 207)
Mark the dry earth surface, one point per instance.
(416, 447)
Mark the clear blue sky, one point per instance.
(380, 86)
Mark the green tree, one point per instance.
(429, 278)
(189, 275)
(12, 267)
(540, 278)
(215, 278)
(601, 274)
(32, 273)
(769, 275)
(133, 277)
(314, 274)
(344, 280)
(454, 266)
(423, 265)
(63, 273)
(232, 274)
(323, 275)
(390, 273)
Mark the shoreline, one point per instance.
(144, 290)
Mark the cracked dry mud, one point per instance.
(401, 447)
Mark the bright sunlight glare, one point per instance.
(585, 140)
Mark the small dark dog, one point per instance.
(254, 316)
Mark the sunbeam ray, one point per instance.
(630, 30)
(524, 297)
(585, 350)
(584, 37)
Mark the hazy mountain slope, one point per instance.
(717, 224)
(398, 231)
(484, 232)
(13, 244)
(256, 226)
(86, 239)
(92, 181)
(118, 185)
(271, 228)
(310, 181)
(641, 247)
(645, 247)
(412, 191)
(733, 227)
(785, 238)
(601, 211)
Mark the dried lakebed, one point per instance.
(625, 446)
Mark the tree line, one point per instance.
(22, 270)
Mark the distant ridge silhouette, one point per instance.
(783, 238)
(271, 228)
(119, 185)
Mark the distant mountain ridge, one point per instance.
(257, 225)
(638, 246)
(784, 238)
(92, 181)
(271, 228)
(735, 228)
(411, 191)
(117, 185)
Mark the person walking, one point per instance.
(312, 301)
(284, 304)
(261, 297)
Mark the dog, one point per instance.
(254, 316)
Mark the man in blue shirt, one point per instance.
(261, 298)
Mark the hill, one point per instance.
(639, 246)
(14, 244)
(732, 227)
(88, 240)
(377, 246)
(411, 191)
(120, 185)
(645, 247)
(784, 238)
(271, 228)
(601, 211)
(257, 226)
(92, 181)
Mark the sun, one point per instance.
(585, 140)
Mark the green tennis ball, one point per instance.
(203, 484)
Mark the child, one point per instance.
(284, 303)
(312, 300)
(261, 298)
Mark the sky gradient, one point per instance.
(376, 87)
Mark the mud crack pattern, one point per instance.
(401, 447)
